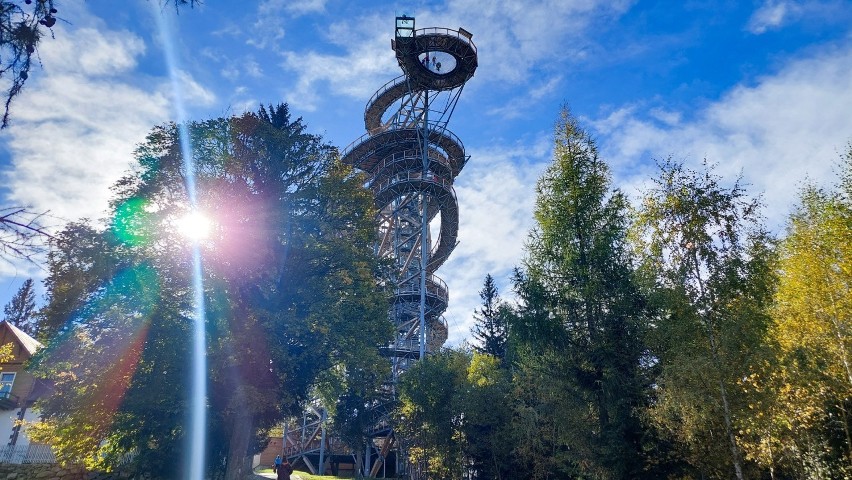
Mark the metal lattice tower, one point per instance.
(412, 160)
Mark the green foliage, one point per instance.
(578, 334)
(429, 416)
(291, 290)
(803, 420)
(491, 327)
(7, 353)
(709, 352)
(454, 414)
(487, 427)
(711, 259)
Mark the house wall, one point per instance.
(275, 447)
(7, 425)
(23, 380)
(21, 388)
(21, 355)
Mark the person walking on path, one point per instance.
(284, 471)
(277, 464)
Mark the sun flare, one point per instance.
(194, 226)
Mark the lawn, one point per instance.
(307, 476)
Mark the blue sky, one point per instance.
(761, 88)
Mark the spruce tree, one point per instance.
(20, 311)
(580, 323)
(490, 329)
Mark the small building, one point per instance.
(275, 447)
(18, 391)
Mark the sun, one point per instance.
(194, 226)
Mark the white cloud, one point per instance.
(232, 70)
(76, 125)
(366, 64)
(668, 117)
(496, 197)
(787, 127)
(776, 14)
(518, 106)
(74, 128)
(268, 29)
(521, 37)
(93, 52)
(192, 92)
(302, 7)
(252, 68)
(228, 30)
(769, 16)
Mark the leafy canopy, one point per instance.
(290, 284)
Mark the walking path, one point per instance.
(260, 476)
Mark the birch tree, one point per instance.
(710, 256)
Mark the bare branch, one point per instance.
(23, 234)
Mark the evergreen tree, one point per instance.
(490, 329)
(20, 311)
(487, 412)
(430, 414)
(580, 322)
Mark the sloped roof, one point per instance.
(29, 343)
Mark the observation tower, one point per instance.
(411, 160)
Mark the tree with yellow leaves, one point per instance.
(813, 332)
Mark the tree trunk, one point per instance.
(239, 463)
(359, 462)
(714, 351)
(735, 449)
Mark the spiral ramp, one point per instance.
(412, 160)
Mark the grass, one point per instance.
(308, 476)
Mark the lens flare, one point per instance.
(131, 222)
(197, 437)
(194, 226)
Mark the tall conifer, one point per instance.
(490, 329)
(581, 317)
(21, 309)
